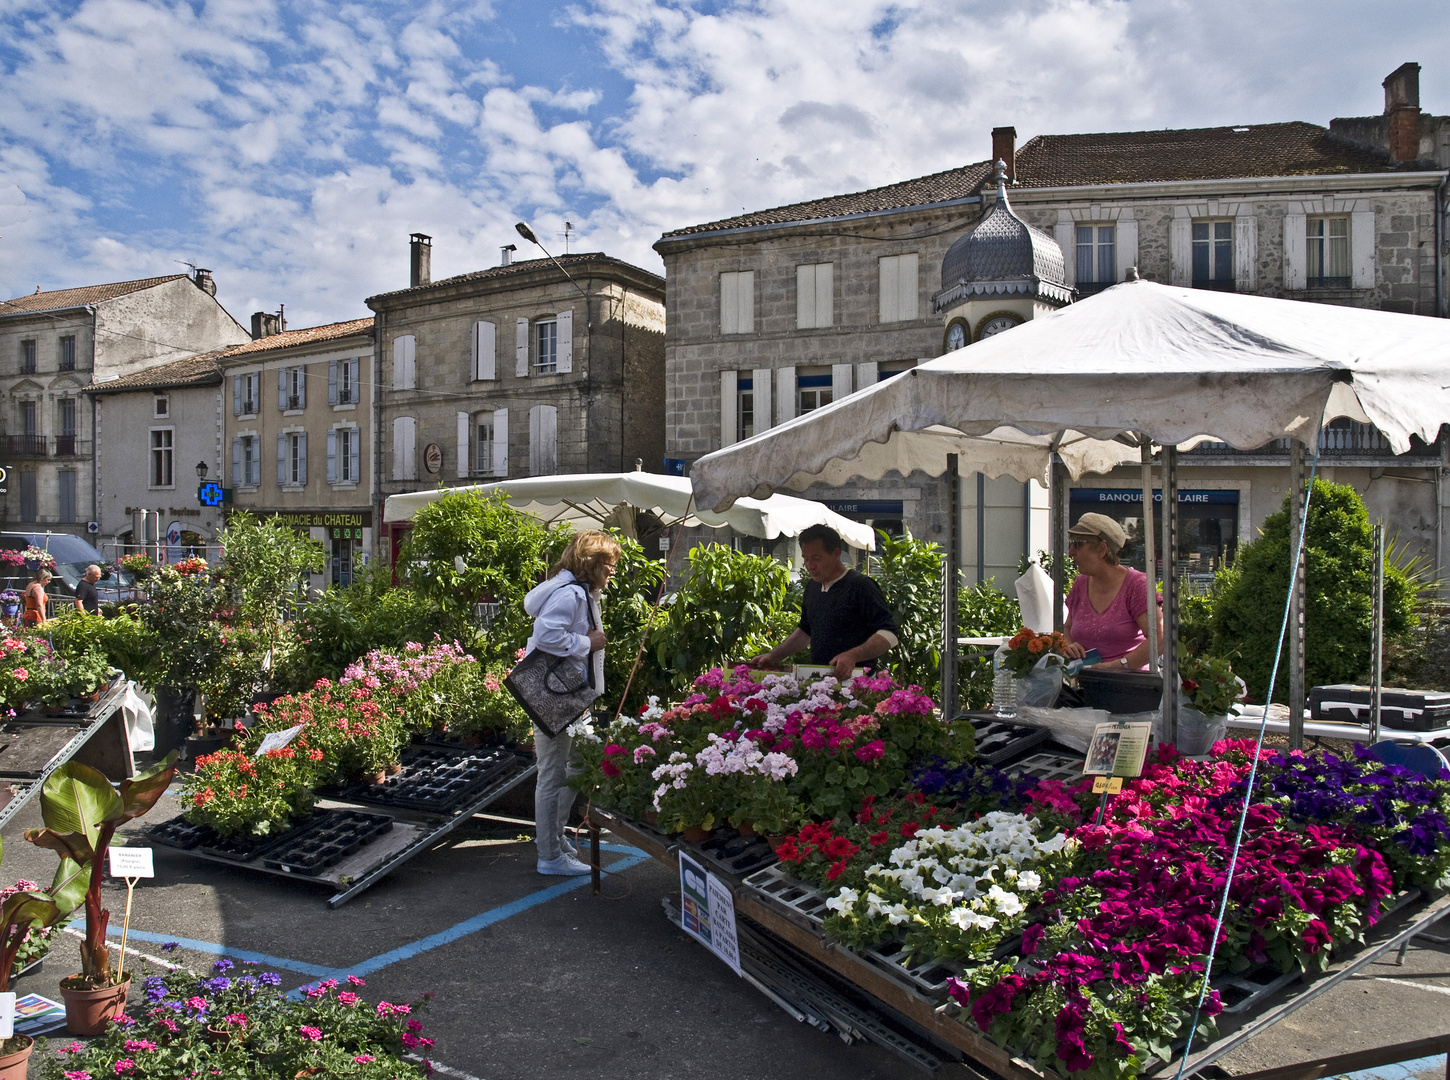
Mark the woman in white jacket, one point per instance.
(566, 616)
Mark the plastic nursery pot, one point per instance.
(696, 834)
(87, 1012)
(14, 1066)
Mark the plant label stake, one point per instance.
(133, 864)
(7, 1015)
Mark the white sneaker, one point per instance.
(568, 848)
(563, 866)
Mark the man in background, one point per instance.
(87, 598)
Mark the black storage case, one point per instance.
(1120, 691)
(1402, 710)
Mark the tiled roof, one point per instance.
(1222, 153)
(1124, 157)
(199, 370)
(309, 335)
(923, 191)
(86, 294)
(520, 266)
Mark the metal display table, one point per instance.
(385, 836)
(33, 745)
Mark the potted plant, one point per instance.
(10, 603)
(26, 913)
(82, 812)
(1209, 689)
(137, 565)
(1037, 663)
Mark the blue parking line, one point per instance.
(404, 952)
(1402, 1070)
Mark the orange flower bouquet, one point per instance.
(1026, 648)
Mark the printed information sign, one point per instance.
(707, 912)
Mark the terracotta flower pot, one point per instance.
(776, 841)
(697, 834)
(651, 816)
(87, 1012)
(395, 768)
(745, 828)
(14, 1066)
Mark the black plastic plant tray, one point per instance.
(179, 833)
(435, 779)
(727, 850)
(327, 842)
(1001, 740)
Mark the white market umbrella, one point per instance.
(1170, 364)
(593, 498)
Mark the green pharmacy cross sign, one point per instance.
(210, 493)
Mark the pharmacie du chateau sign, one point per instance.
(321, 519)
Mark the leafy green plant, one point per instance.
(1339, 551)
(732, 606)
(1209, 683)
(468, 548)
(627, 604)
(909, 572)
(262, 566)
(82, 812)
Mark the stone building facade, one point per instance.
(153, 428)
(523, 369)
(776, 312)
(297, 410)
(55, 344)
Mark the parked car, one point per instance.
(72, 555)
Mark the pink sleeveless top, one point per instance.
(1113, 632)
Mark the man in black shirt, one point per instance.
(87, 599)
(844, 617)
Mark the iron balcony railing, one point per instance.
(1343, 438)
(24, 445)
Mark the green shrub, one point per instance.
(731, 607)
(1339, 553)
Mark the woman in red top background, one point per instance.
(1107, 607)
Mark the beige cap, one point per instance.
(1099, 527)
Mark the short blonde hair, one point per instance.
(588, 557)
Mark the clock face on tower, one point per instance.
(997, 324)
(956, 336)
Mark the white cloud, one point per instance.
(292, 147)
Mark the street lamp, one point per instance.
(201, 471)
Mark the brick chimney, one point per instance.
(420, 262)
(206, 284)
(265, 324)
(1402, 112)
(1004, 148)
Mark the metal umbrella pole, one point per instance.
(1145, 446)
(951, 569)
(1377, 635)
(1170, 595)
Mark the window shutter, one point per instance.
(463, 425)
(729, 303)
(785, 394)
(302, 457)
(825, 308)
(1296, 250)
(404, 356)
(906, 287)
(889, 279)
(332, 457)
(805, 297)
(500, 442)
(1246, 252)
(410, 448)
(484, 365)
(355, 387)
(282, 388)
(867, 374)
(840, 381)
(332, 381)
(236, 462)
(281, 459)
(354, 455)
(761, 379)
(1180, 251)
(236, 395)
(1126, 239)
(729, 400)
(566, 340)
(1065, 233)
(1361, 249)
(411, 359)
(521, 348)
(302, 387)
(543, 440)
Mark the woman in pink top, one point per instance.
(1107, 606)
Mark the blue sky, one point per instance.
(291, 147)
